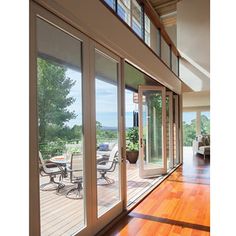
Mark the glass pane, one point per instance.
(147, 30)
(168, 130)
(189, 128)
(111, 3)
(165, 52)
(176, 129)
(158, 44)
(137, 18)
(123, 10)
(152, 129)
(60, 129)
(205, 122)
(108, 168)
(174, 63)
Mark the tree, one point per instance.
(189, 132)
(53, 101)
(205, 125)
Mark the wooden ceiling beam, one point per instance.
(165, 4)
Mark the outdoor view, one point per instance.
(108, 165)
(60, 131)
(189, 126)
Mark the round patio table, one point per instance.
(60, 160)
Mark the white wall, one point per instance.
(95, 20)
(193, 30)
(196, 99)
(193, 42)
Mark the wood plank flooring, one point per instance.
(179, 206)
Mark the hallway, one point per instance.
(179, 206)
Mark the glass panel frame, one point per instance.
(107, 115)
(101, 220)
(60, 113)
(156, 170)
(169, 128)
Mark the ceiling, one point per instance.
(164, 7)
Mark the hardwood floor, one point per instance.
(179, 206)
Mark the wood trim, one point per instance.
(34, 199)
(156, 171)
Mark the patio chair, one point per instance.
(109, 165)
(76, 176)
(51, 170)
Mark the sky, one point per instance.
(106, 102)
(188, 116)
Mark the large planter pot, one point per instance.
(132, 156)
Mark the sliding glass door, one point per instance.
(77, 131)
(152, 131)
(108, 149)
(60, 130)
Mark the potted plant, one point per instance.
(132, 145)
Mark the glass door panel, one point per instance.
(107, 136)
(60, 131)
(176, 129)
(169, 130)
(152, 130)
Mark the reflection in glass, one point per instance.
(147, 30)
(108, 168)
(111, 3)
(60, 136)
(123, 10)
(152, 129)
(137, 18)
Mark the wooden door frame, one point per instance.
(36, 11)
(163, 170)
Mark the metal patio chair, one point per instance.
(51, 170)
(105, 166)
(76, 176)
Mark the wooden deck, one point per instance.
(64, 216)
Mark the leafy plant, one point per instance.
(132, 138)
(53, 148)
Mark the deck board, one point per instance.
(64, 216)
